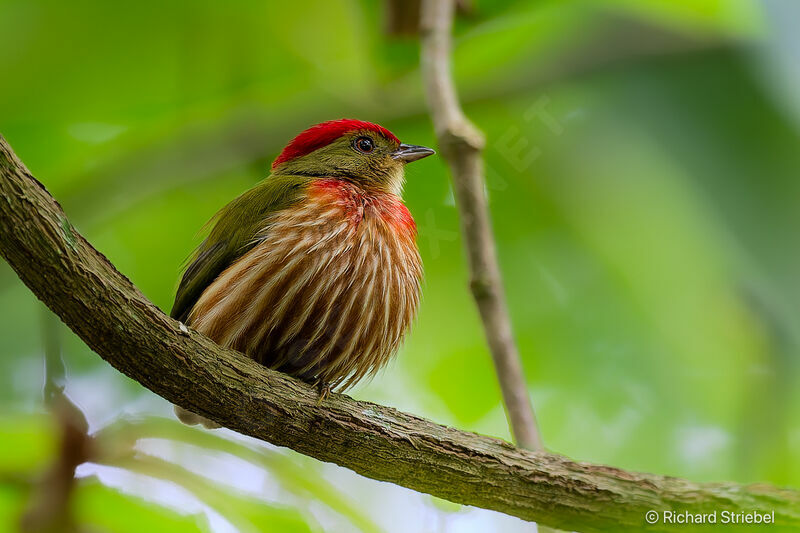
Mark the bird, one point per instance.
(315, 271)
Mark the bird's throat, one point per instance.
(356, 203)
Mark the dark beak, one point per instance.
(410, 152)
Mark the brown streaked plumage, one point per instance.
(327, 294)
(314, 271)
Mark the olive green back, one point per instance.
(236, 229)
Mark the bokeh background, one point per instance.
(643, 163)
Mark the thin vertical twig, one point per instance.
(461, 144)
(49, 509)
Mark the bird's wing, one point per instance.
(236, 229)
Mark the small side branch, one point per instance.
(461, 145)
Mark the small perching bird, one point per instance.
(314, 271)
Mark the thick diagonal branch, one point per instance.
(110, 314)
(461, 145)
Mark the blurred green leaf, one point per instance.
(98, 506)
(248, 514)
(27, 443)
(295, 478)
(12, 500)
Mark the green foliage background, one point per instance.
(643, 177)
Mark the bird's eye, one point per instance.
(364, 144)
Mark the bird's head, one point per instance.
(362, 152)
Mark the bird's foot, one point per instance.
(324, 390)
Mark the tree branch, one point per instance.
(461, 145)
(49, 509)
(110, 314)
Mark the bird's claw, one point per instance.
(324, 390)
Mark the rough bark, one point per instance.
(110, 314)
(461, 145)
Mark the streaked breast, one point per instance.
(328, 292)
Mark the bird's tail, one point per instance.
(192, 419)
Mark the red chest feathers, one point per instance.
(357, 205)
(328, 292)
